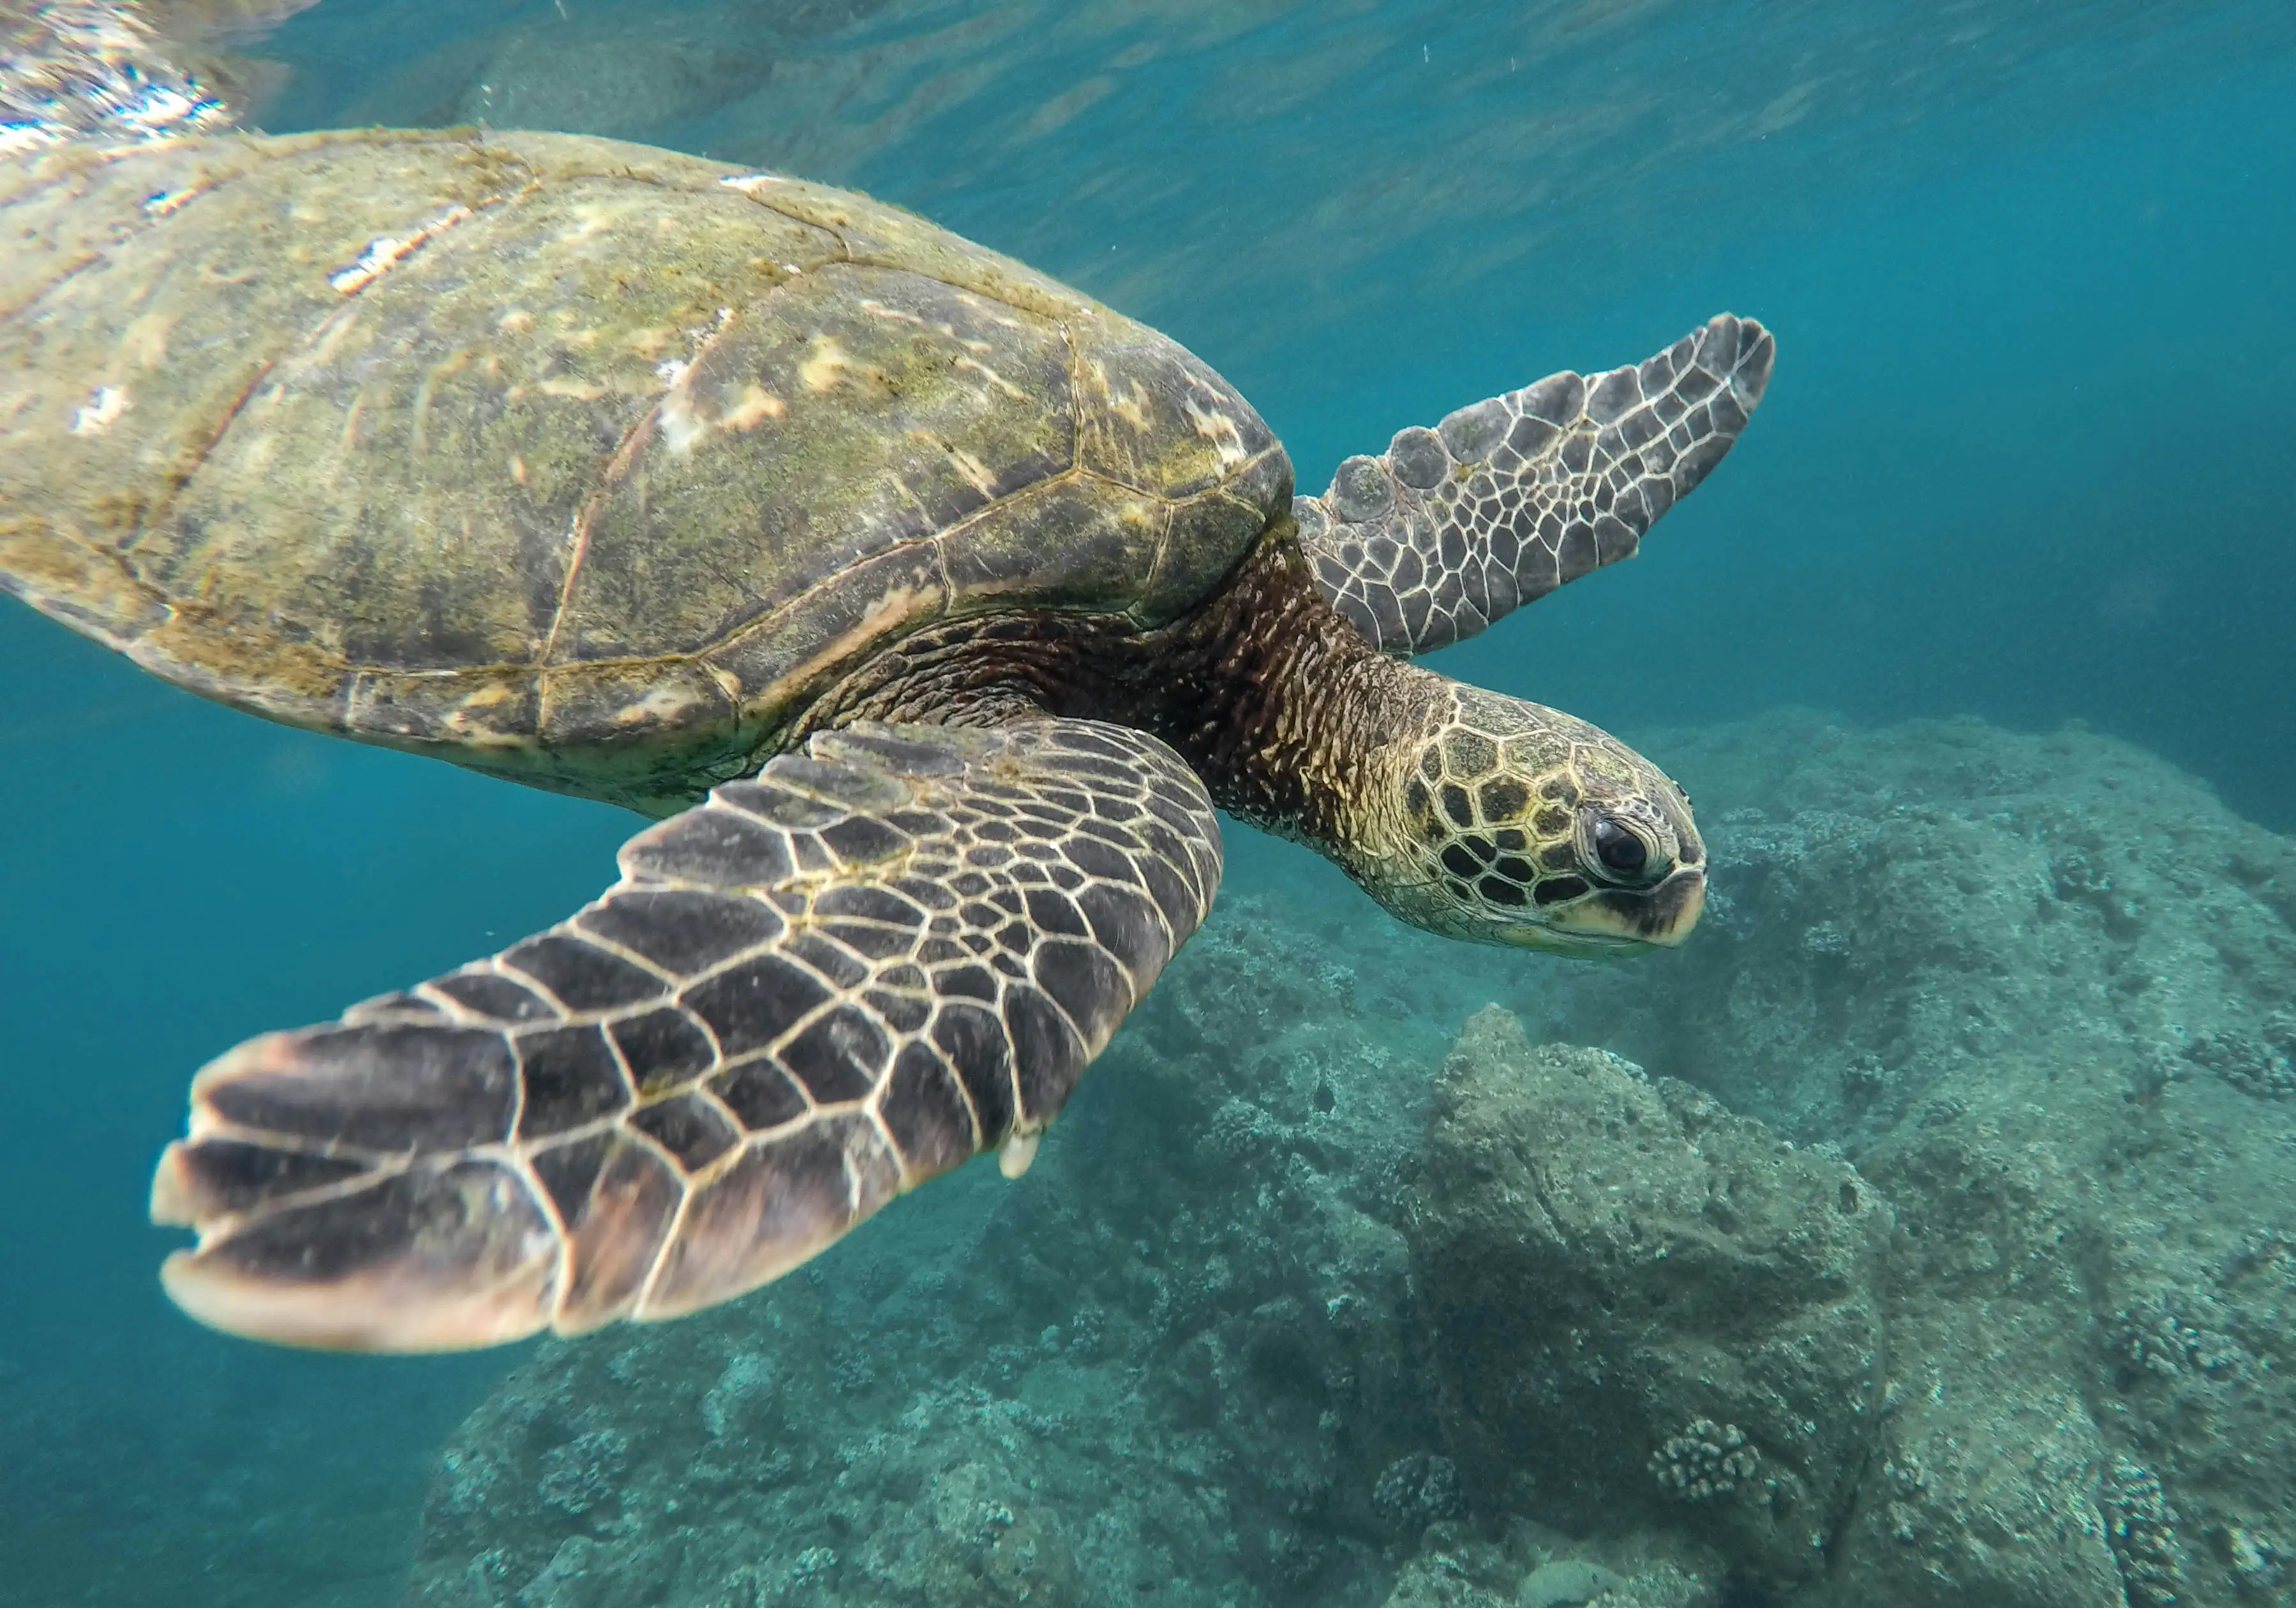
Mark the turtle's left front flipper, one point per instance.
(813, 992)
(1502, 502)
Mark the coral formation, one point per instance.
(1944, 1254)
(1707, 1459)
(2251, 1065)
(1417, 1491)
(2143, 1530)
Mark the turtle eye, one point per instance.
(1619, 847)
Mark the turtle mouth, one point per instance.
(1618, 921)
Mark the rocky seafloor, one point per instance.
(1923, 1232)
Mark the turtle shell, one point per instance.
(580, 462)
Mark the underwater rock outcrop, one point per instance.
(1643, 1307)
(2033, 986)
(1647, 1312)
(1312, 1298)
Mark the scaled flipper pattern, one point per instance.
(814, 991)
(1502, 502)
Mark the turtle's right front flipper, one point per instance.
(817, 989)
(1502, 502)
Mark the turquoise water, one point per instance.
(2026, 458)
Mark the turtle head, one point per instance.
(1508, 823)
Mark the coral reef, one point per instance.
(2048, 1046)
(2254, 1066)
(1945, 1253)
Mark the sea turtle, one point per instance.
(932, 606)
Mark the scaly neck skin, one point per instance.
(1293, 721)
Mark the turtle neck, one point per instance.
(1289, 715)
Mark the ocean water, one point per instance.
(2025, 464)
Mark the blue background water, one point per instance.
(2027, 455)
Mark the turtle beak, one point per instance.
(1618, 921)
(1665, 915)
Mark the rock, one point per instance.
(1417, 1491)
(1986, 1493)
(1643, 1307)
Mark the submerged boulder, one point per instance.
(1643, 1307)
